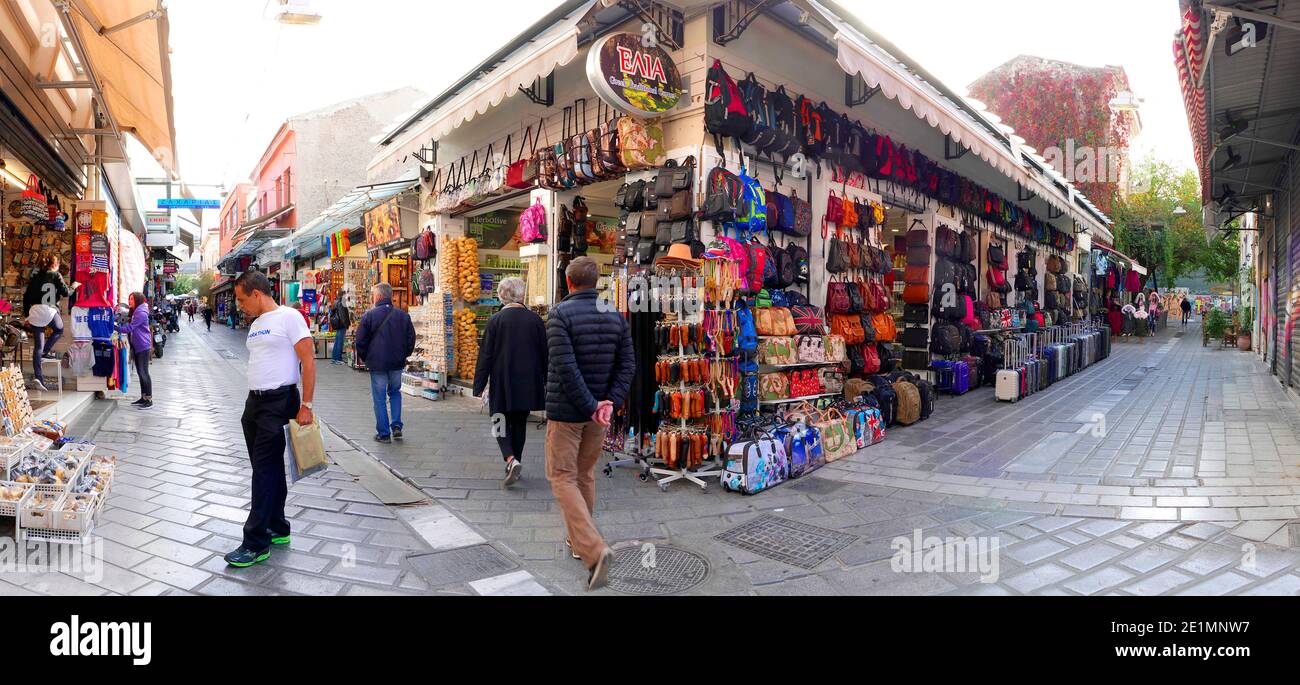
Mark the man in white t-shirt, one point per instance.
(280, 353)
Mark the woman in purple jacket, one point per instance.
(141, 337)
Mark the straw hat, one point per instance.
(679, 256)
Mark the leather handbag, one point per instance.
(916, 274)
(522, 172)
(918, 255)
(837, 298)
(916, 293)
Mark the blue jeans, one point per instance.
(338, 346)
(386, 383)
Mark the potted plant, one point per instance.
(1216, 322)
(1243, 331)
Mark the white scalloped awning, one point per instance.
(858, 55)
(554, 47)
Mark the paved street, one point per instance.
(1169, 468)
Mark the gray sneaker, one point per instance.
(513, 471)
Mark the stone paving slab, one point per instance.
(1055, 534)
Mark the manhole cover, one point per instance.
(654, 569)
(460, 565)
(816, 486)
(786, 541)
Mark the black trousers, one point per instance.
(142, 369)
(264, 419)
(516, 427)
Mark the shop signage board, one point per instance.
(382, 224)
(638, 79)
(187, 203)
(495, 230)
(157, 222)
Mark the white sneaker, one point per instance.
(513, 471)
(41, 386)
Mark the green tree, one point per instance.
(184, 284)
(1170, 245)
(205, 283)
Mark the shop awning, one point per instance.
(308, 241)
(126, 51)
(885, 68)
(1132, 263)
(502, 76)
(222, 285)
(261, 222)
(1243, 109)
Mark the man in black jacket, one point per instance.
(590, 371)
(385, 338)
(340, 321)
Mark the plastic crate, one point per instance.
(67, 527)
(30, 517)
(11, 507)
(61, 487)
(81, 449)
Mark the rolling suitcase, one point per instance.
(960, 378)
(1009, 382)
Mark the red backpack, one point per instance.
(725, 114)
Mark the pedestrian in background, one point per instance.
(340, 322)
(1186, 306)
(280, 354)
(140, 335)
(207, 316)
(385, 338)
(1153, 307)
(591, 362)
(512, 367)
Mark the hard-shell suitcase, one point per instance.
(1009, 381)
(952, 377)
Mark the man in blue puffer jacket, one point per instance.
(590, 371)
(385, 338)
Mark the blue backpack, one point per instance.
(751, 215)
(747, 341)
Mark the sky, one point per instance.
(238, 74)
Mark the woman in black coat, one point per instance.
(512, 367)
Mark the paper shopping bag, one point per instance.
(306, 451)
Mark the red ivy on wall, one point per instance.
(1050, 103)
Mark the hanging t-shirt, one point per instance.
(95, 290)
(272, 361)
(100, 322)
(81, 324)
(81, 357)
(105, 359)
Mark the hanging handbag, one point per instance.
(522, 172)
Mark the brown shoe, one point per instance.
(600, 573)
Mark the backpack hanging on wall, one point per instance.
(725, 114)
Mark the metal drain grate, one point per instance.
(654, 569)
(460, 565)
(786, 541)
